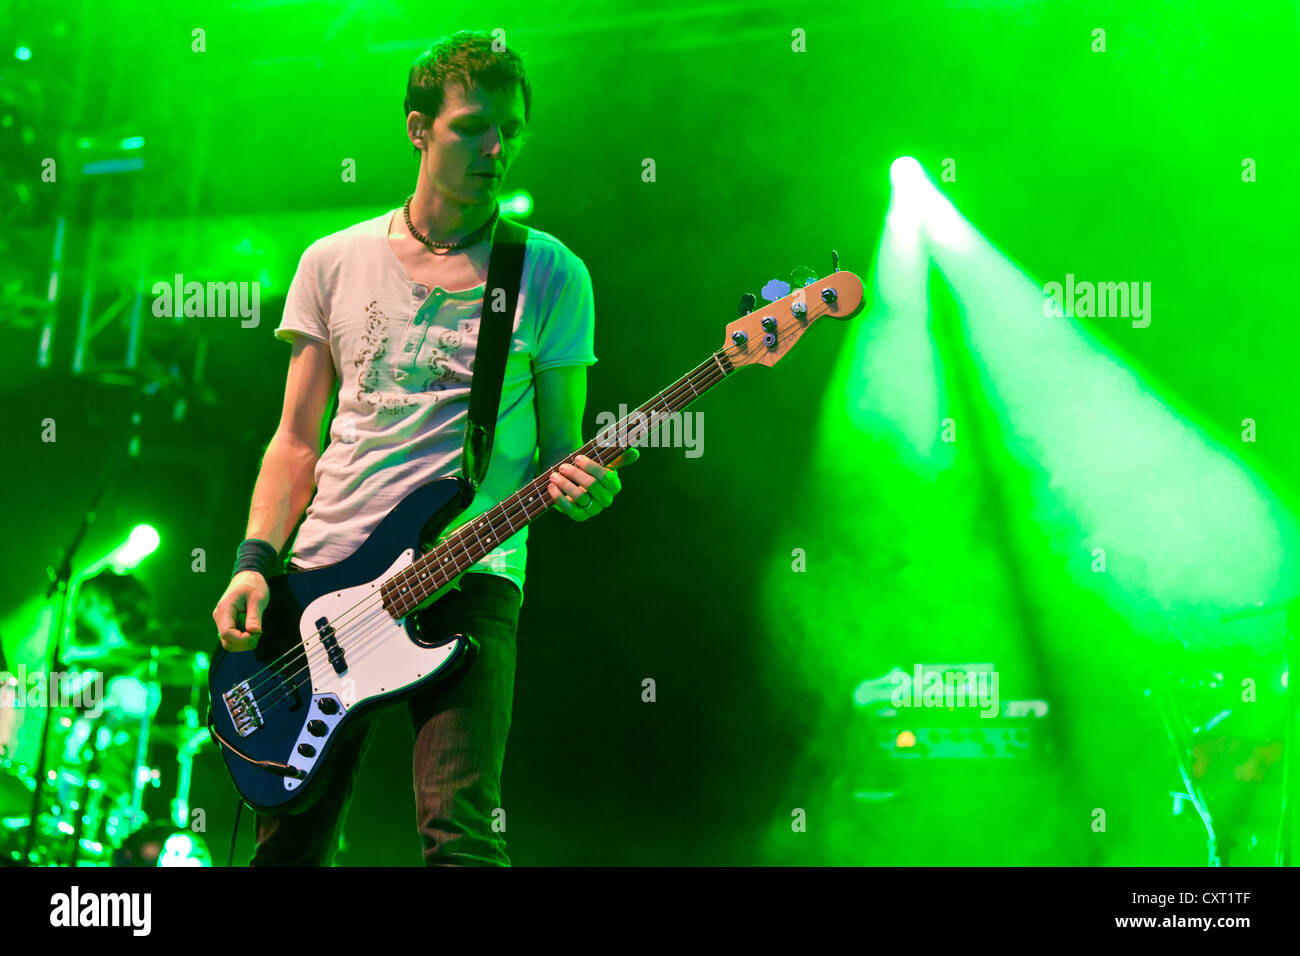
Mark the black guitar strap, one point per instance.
(500, 300)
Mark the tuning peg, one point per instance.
(802, 276)
(747, 303)
(835, 261)
(776, 289)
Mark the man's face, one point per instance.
(478, 132)
(98, 619)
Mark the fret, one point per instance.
(470, 543)
(474, 532)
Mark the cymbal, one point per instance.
(1260, 609)
(174, 665)
(179, 736)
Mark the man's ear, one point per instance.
(417, 127)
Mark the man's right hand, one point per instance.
(239, 612)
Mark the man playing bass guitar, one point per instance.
(383, 317)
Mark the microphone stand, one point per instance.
(1291, 707)
(1285, 828)
(60, 581)
(1179, 731)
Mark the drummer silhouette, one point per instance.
(110, 608)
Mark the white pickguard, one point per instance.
(380, 655)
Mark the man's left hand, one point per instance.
(588, 484)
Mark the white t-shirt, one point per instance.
(404, 355)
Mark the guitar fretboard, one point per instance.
(470, 543)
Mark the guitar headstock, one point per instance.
(765, 335)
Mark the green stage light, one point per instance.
(184, 849)
(888, 385)
(920, 205)
(518, 204)
(997, 482)
(161, 844)
(1143, 504)
(142, 542)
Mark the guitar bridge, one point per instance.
(243, 709)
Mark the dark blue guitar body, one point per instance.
(276, 720)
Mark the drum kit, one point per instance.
(123, 733)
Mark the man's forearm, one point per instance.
(284, 488)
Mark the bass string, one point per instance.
(361, 607)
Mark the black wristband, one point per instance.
(257, 555)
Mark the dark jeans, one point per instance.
(460, 727)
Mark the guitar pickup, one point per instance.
(331, 645)
(243, 709)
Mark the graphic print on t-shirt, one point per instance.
(427, 356)
(394, 435)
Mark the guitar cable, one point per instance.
(234, 834)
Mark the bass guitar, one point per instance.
(340, 641)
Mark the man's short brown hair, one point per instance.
(467, 59)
